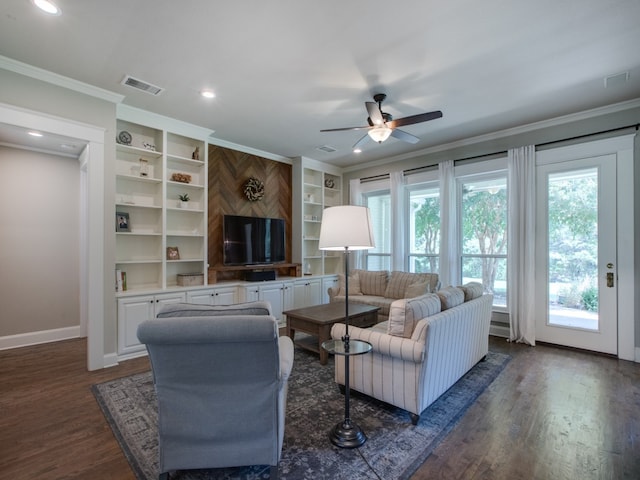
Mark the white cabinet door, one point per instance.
(328, 282)
(200, 297)
(132, 311)
(307, 292)
(225, 296)
(274, 294)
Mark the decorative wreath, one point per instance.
(254, 189)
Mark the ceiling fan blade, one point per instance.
(345, 129)
(364, 140)
(374, 113)
(421, 117)
(404, 136)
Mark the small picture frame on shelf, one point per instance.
(173, 253)
(122, 222)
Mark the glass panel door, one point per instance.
(578, 220)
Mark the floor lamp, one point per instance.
(346, 228)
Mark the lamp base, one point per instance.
(347, 434)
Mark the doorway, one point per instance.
(93, 266)
(577, 248)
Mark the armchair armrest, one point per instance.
(403, 348)
(285, 346)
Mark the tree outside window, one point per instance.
(484, 235)
(424, 230)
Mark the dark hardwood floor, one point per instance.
(552, 414)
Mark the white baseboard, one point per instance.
(35, 338)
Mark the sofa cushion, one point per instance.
(399, 281)
(373, 282)
(416, 289)
(450, 297)
(375, 300)
(405, 313)
(354, 284)
(472, 290)
(195, 310)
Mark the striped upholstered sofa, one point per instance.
(427, 344)
(381, 288)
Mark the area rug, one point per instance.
(394, 448)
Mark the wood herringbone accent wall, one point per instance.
(228, 172)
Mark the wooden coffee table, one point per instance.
(318, 320)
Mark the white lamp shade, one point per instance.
(346, 226)
(379, 134)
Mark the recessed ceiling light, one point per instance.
(35, 134)
(357, 150)
(47, 7)
(207, 94)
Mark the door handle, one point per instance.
(610, 279)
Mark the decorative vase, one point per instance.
(183, 204)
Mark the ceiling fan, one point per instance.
(382, 125)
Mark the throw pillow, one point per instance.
(405, 313)
(472, 290)
(354, 285)
(194, 310)
(373, 282)
(399, 281)
(450, 297)
(416, 289)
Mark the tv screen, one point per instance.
(252, 240)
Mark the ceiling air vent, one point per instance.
(141, 85)
(326, 148)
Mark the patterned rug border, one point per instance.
(380, 464)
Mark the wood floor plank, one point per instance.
(551, 414)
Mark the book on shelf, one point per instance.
(121, 281)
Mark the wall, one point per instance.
(39, 242)
(228, 171)
(39, 96)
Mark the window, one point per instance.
(379, 258)
(424, 229)
(483, 232)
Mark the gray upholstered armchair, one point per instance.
(220, 375)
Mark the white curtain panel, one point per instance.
(397, 218)
(355, 198)
(521, 175)
(449, 258)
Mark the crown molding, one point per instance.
(15, 66)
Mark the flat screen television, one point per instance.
(253, 240)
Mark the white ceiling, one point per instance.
(284, 70)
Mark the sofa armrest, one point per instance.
(333, 292)
(403, 348)
(285, 346)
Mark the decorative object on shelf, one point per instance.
(149, 146)
(144, 168)
(307, 268)
(254, 189)
(190, 279)
(346, 228)
(184, 200)
(124, 138)
(122, 222)
(329, 183)
(173, 253)
(181, 177)
(309, 198)
(196, 154)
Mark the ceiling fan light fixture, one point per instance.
(47, 7)
(379, 134)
